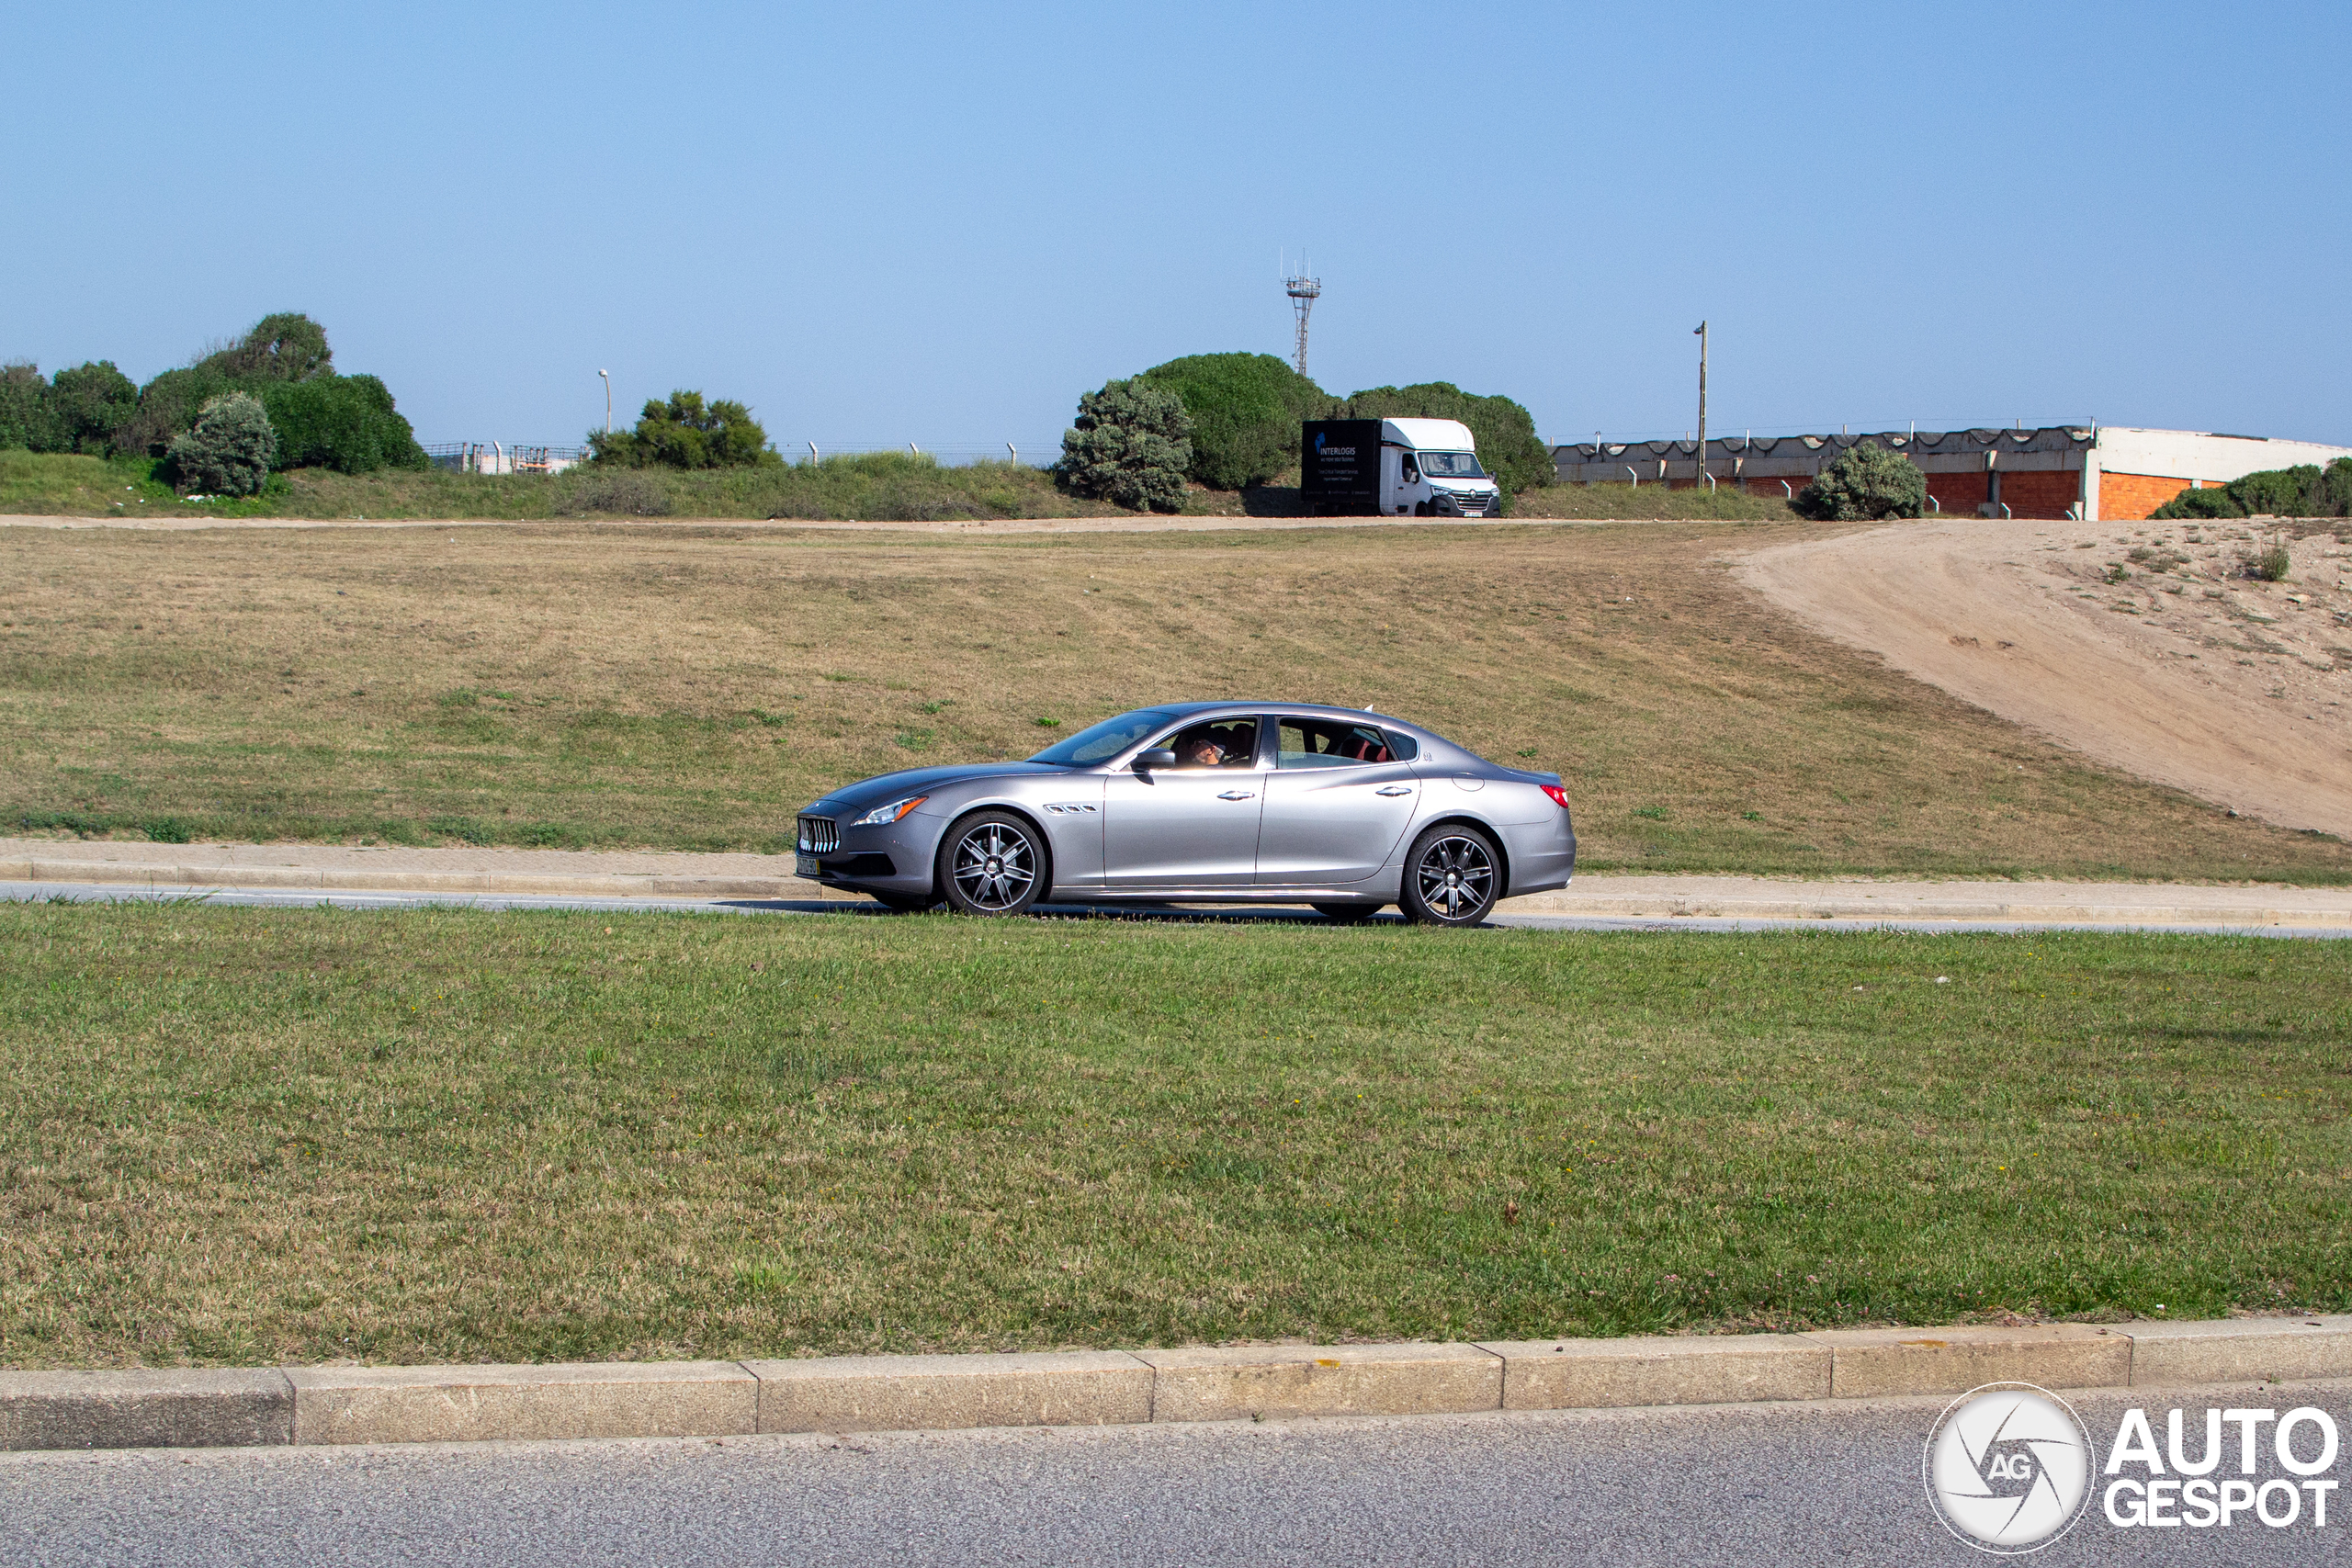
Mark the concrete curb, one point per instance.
(848, 1394)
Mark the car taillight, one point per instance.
(1559, 796)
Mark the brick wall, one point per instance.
(2128, 498)
(2041, 493)
(1962, 493)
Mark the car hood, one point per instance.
(870, 793)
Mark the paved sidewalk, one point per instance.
(647, 874)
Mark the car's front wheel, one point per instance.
(1452, 876)
(992, 862)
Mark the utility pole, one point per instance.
(1700, 332)
(608, 400)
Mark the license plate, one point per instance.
(805, 865)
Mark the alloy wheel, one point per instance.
(1455, 876)
(994, 866)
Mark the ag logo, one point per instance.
(2007, 1468)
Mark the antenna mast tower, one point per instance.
(1303, 291)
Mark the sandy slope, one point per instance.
(2174, 666)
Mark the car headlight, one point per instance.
(883, 815)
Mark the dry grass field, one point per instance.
(691, 685)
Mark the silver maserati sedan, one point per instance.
(1202, 803)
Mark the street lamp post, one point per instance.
(608, 400)
(1701, 483)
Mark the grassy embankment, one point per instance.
(882, 486)
(888, 486)
(247, 1136)
(692, 687)
(684, 688)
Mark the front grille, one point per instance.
(819, 835)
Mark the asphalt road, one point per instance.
(1756, 1486)
(100, 892)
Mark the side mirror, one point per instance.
(1160, 757)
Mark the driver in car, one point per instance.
(1200, 751)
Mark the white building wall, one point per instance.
(2194, 455)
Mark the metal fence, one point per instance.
(501, 457)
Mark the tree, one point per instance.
(1130, 445)
(287, 347)
(345, 423)
(231, 448)
(89, 403)
(1245, 409)
(1867, 481)
(1508, 447)
(27, 418)
(685, 433)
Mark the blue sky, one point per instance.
(941, 224)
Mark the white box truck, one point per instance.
(1393, 468)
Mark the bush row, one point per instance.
(317, 417)
(2304, 491)
(1240, 428)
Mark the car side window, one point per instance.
(1218, 743)
(1402, 746)
(1329, 743)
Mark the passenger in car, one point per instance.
(1200, 751)
(1227, 745)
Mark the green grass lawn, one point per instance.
(237, 1136)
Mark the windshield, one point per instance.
(1451, 465)
(1098, 742)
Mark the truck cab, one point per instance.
(1393, 468)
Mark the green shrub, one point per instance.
(2302, 491)
(1865, 482)
(323, 420)
(1508, 447)
(345, 423)
(2199, 504)
(2271, 563)
(25, 418)
(89, 403)
(685, 433)
(1131, 445)
(1245, 411)
(168, 406)
(230, 450)
(632, 495)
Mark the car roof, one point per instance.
(1305, 710)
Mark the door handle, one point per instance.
(1238, 794)
(1395, 789)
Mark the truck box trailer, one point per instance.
(1392, 467)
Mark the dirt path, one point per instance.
(661, 874)
(964, 527)
(2141, 644)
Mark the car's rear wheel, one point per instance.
(1347, 914)
(1452, 876)
(992, 862)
